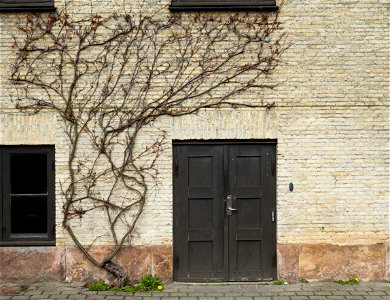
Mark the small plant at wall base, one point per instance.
(149, 283)
(146, 283)
(351, 281)
(110, 78)
(279, 282)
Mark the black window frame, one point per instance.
(223, 5)
(24, 5)
(5, 208)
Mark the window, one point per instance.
(27, 5)
(182, 5)
(27, 202)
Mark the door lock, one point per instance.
(229, 203)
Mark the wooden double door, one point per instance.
(224, 211)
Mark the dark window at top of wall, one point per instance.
(208, 5)
(27, 200)
(26, 5)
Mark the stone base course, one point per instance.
(309, 261)
(32, 264)
(326, 262)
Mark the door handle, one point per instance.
(229, 203)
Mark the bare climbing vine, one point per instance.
(109, 78)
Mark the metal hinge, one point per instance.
(273, 216)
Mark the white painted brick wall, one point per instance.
(331, 121)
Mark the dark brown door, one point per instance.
(224, 211)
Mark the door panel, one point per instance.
(210, 244)
(247, 166)
(268, 222)
(199, 214)
(244, 224)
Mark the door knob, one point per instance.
(229, 203)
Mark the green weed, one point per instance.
(352, 281)
(149, 283)
(146, 283)
(278, 282)
(98, 286)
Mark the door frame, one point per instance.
(174, 193)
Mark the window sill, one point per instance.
(27, 243)
(10, 8)
(224, 8)
(221, 6)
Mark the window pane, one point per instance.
(28, 173)
(28, 214)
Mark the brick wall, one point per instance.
(331, 122)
